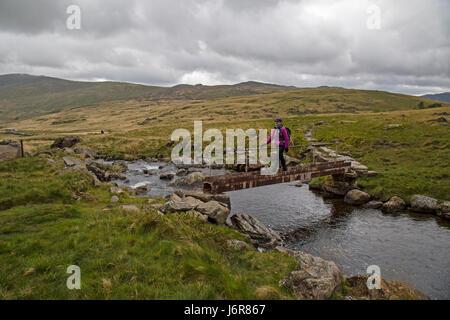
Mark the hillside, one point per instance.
(24, 96)
(444, 97)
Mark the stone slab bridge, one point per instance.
(238, 181)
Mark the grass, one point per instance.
(122, 255)
(410, 159)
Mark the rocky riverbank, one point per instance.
(347, 186)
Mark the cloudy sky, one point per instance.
(395, 45)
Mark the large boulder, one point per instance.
(317, 278)
(192, 179)
(66, 142)
(9, 150)
(356, 197)
(259, 234)
(389, 290)
(215, 211)
(425, 204)
(193, 201)
(395, 204)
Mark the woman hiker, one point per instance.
(283, 141)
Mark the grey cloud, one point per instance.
(302, 43)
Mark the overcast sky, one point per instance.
(305, 43)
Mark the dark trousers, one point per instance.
(281, 157)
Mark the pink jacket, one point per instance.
(283, 140)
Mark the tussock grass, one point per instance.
(122, 255)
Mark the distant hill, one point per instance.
(445, 96)
(23, 96)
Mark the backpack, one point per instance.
(289, 135)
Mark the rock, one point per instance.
(425, 204)
(173, 197)
(444, 210)
(201, 196)
(197, 215)
(393, 125)
(72, 162)
(166, 176)
(98, 170)
(68, 151)
(115, 190)
(86, 153)
(356, 197)
(114, 199)
(193, 201)
(223, 199)
(373, 205)
(150, 172)
(317, 278)
(192, 179)
(389, 290)
(299, 184)
(95, 181)
(237, 244)
(216, 212)
(339, 188)
(9, 150)
(179, 193)
(372, 173)
(129, 208)
(87, 197)
(359, 168)
(176, 206)
(395, 204)
(290, 161)
(140, 189)
(181, 172)
(258, 233)
(66, 142)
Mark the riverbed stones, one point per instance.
(317, 279)
(259, 234)
(373, 205)
(192, 179)
(394, 205)
(166, 176)
(356, 197)
(424, 204)
(66, 142)
(9, 150)
(114, 199)
(215, 211)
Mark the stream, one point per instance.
(412, 248)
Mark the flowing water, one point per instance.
(413, 248)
